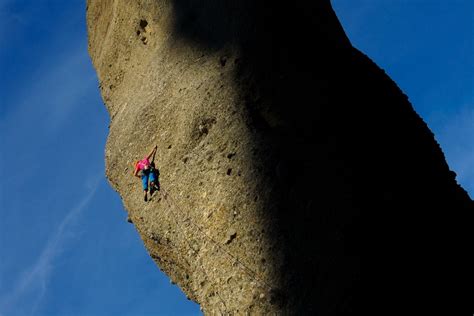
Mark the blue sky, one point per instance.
(65, 247)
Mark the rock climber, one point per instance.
(144, 170)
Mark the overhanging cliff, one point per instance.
(280, 146)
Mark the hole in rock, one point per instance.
(143, 24)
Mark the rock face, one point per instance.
(280, 146)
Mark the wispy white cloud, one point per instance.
(34, 281)
(42, 98)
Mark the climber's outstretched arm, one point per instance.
(152, 152)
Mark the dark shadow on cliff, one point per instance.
(338, 140)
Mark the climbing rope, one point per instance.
(191, 248)
(250, 272)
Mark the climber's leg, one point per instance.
(145, 185)
(152, 179)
